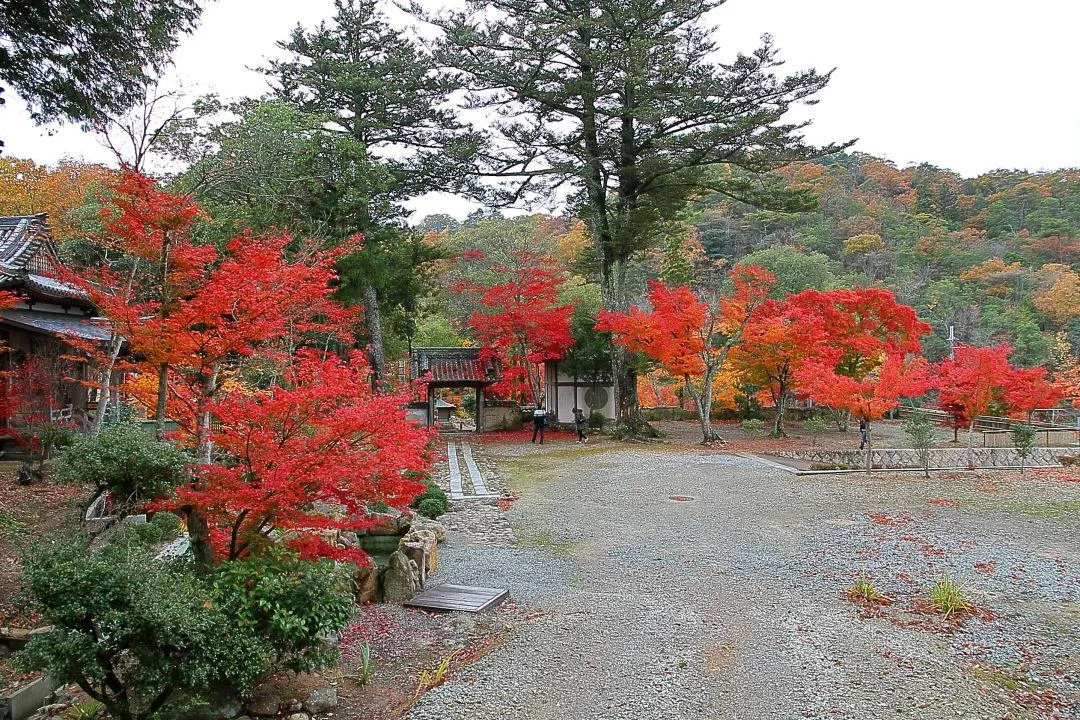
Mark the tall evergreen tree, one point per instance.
(623, 101)
(74, 60)
(395, 140)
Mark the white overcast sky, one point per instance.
(969, 85)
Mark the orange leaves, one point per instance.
(1059, 298)
(870, 397)
(683, 332)
(60, 191)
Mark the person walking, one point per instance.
(539, 422)
(864, 434)
(579, 424)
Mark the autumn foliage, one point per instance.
(237, 347)
(317, 439)
(691, 336)
(522, 321)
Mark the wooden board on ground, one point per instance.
(459, 597)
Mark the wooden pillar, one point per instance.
(479, 408)
(432, 420)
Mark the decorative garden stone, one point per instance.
(321, 700)
(400, 581)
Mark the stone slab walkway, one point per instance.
(476, 487)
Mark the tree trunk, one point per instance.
(203, 442)
(162, 400)
(628, 415)
(971, 449)
(199, 536)
(373, 321)
(105, 384)
(703, 403)
(781, 410)
(869, 445)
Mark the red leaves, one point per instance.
(320, 438)
(980, 379)
(869, 398)
(524, 323)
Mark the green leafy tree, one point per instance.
(136, 634)
(77, 60)
(126, 461)
(623, 101)
(389, 137)
(920, 431)
(1023, 437)
(795, 270)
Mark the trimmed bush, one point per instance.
(596, 420)
(126, 461)
(291, 604)
(138, 635)
(162, 527)
(753, 426)
(432, 502)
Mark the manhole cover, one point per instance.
(682, 498)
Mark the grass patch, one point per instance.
(948, 596)
(993, 676)
(863, 589)
(520, 473)
(1055, 510)
(544, 540)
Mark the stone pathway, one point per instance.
(477, 489)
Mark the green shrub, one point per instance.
(920, 430)
(1023, 437)
(54, 438)
(162, 527)
(753, 426)
(140, 635)
(596, 420)
(126, 461)
(432, 502)
(292, 604)
(948, 596)
(815, 425)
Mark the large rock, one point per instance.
(400, 581)
(417, 554)
(422, 546)
(422, 523)
(321, 700)
(366, 584)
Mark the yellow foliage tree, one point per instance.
(1059, 296)
(62, 192)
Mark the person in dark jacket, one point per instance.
(864, 434)
(539, 422)
(579, 425)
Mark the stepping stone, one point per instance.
(455, 471)
(458, 597)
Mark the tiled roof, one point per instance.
(453, 365)
(55, 324)
(28, 257)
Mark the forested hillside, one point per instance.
(995, 256)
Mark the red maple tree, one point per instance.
(691, 335)
(222, 343)
(870, 397)
(523, 323)
(307, 456)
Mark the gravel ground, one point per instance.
(731, 605)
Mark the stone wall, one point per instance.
(501, 415)
(940, 458)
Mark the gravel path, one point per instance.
(730, 605)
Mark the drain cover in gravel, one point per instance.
(458, 597)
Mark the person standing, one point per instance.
(864, 433)
(579, 424)
(539, 422)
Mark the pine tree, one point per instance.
(391, 139)
(623, 101)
